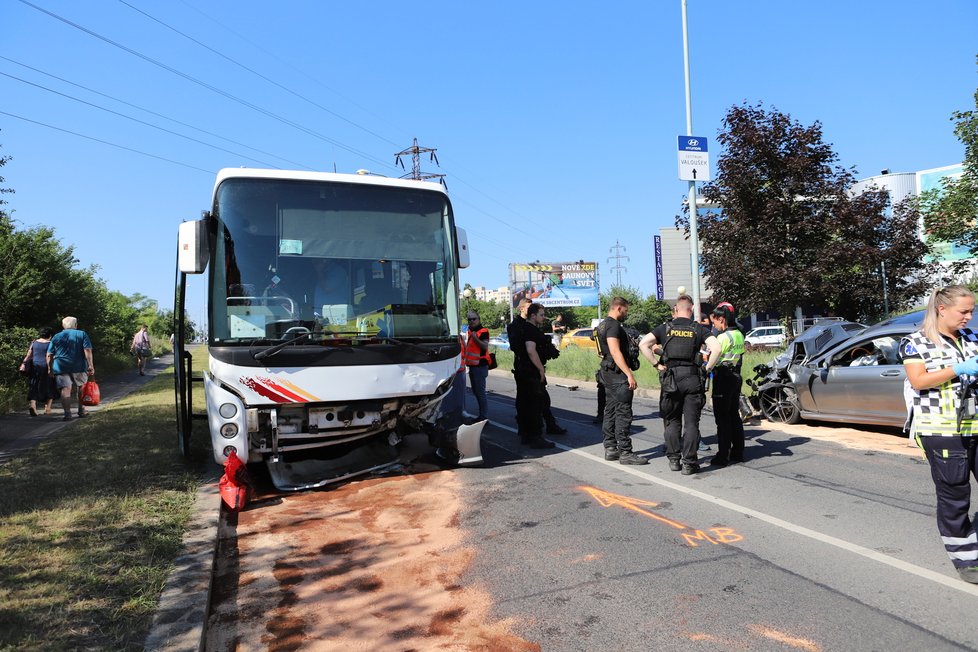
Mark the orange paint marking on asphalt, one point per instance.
(608, 499)
(786, 639)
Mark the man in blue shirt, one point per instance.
(70, 362)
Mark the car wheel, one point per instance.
(780, 404)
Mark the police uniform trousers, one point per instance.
(680, 410)
(952, 463)
(617, 423)
(530, 393)
(548, 415)
(726, 410)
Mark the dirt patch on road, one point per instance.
(859, 438)
(374, 565)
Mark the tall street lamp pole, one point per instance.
(694, 244)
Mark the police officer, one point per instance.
(727, 382)
(941, 361)
(619, 383)
(682, 378)
(515, 329)
(530, 354)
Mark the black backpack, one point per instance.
(633, 354)
(631, 350)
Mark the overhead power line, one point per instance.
(209, 87)
(105, 142)
(137, 120)
(250, 105)
(288, 64)
(254, 72)
(154, 113)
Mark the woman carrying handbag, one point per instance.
(41, 386)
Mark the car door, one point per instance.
(863, 382)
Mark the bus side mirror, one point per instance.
(192, 252)
(463, 248)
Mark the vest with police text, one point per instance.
(681, 347)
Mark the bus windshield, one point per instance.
(331, 257)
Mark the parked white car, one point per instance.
(768, 336)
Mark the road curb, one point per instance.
(180, 621)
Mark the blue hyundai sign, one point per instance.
(692, 144)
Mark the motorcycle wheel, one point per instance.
(780, 404)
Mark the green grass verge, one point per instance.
(90, 523)
(580, 364)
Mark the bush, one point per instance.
(13, 345)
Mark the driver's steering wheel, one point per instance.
(296, 331)
(858, 353)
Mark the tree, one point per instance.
(493, 315)
(789, 234)
(883, 248)
(644, 314)
(951, 214)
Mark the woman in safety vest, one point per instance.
(941, 361)
(477, 360)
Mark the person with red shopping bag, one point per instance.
(70, 362)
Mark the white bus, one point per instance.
(333, 323)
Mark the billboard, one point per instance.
(933, 180)
(554, 284)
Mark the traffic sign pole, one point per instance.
(694, 244)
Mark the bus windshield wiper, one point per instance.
(261, 355)
(409, 345)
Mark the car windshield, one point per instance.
(330, 257)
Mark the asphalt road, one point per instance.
(825, 539)
(810, 545)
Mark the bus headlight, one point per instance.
(228, 410)
(229, 430)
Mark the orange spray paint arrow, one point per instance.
(608, 499)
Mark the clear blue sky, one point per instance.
(556, 124)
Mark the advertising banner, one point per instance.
(555, 284)
(932, 179)
(659, 289)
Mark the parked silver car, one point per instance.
(853, 376)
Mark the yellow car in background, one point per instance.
(579, 337)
